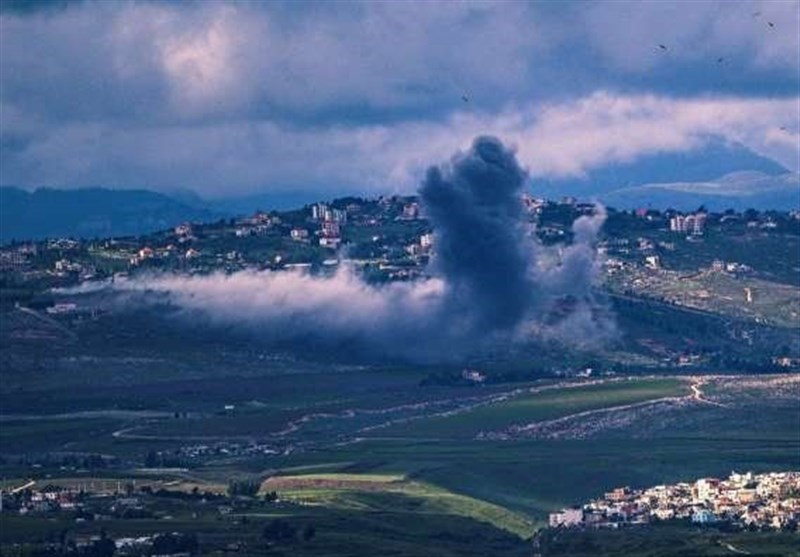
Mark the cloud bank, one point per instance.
(489, 282)
(232, 98)
(555, 139)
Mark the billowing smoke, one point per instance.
(475, 207)
(489, 280)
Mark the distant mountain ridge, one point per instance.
(91, 212)
(718, 163)
(684, 182)
(736, 190)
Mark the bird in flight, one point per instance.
(720, 60)
(771, 25)
(465, 98)
(663, 47)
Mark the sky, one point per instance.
(231, 99)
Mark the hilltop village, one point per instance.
(759, 501)
(737, 266)
(747, 501)
(389, 238)
(101, 501)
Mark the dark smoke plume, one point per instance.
(490, 281)
(481, 252)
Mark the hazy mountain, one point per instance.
(736, 190)
(701, 166)
(91, 212)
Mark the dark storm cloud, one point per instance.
(26, 7)
(235, 97)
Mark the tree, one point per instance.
(279, 530)
(151, 460)
(164, 544)
(247, 488)
(271, 496)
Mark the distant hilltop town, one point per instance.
(731, 266)
(761, 501)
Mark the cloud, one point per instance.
(173, 62)
(229, 60)
(230, 98)
(554, 140)
(570, 138)
(292, 306)
(487, 284)
(627, 34)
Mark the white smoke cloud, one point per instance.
(289, 305)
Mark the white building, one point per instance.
(652, 262)
(689, 224)
(706, 488)
(332, 242)
(566, 518)
(299, 234)
(184, 229)
(426, 241)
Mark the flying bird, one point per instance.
(771, 25)
(663, 47)
(465, 98)
(720, 60)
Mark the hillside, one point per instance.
(91, 212)
(660, 180)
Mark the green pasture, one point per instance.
(543, 405)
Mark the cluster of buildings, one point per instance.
(28, 498)
(786, 362)
(258, 224)
(410, 211)
(225, 449)
(330, 219)
(147, 254)
(388, 237)
(473, 375)
(693, 224)
(764, 501)
(423, 246)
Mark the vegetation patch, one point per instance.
(381, 493)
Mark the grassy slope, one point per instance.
(338, 532)
(464, 497)
(529, 408)
(380, 493)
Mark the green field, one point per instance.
(337, 533)
(669, 540)
(385, 492)
(539, 406)
(420, 485)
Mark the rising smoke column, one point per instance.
(489, 281)
(475, 207)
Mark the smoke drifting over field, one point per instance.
(489, 280)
